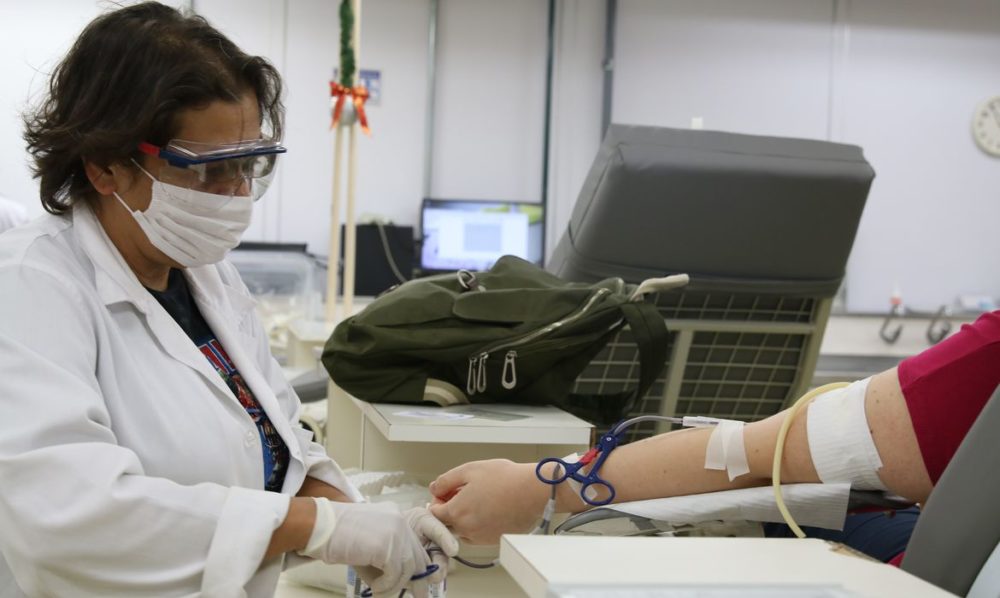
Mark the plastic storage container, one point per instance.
(286, 284)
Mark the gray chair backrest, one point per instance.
(959, 526)
(733, 211)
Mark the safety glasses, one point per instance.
(242, 168)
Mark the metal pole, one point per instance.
(609, 63)
(350, 226)
(431, 85)
(333, 253)
(547, 129)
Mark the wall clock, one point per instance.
(986, 126)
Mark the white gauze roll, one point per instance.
(840, 440)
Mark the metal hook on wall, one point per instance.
(891, 337)
(939, 326)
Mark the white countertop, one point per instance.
(462, 583)
(485, 423)
(541, 562)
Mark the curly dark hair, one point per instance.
(124, 81)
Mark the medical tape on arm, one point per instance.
(840, 441)
(725, 450)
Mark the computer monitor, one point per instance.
(472, 235)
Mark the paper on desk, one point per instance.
(493, 414)
(815, 505)
(434, 414)
(461, 413)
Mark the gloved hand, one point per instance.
(431, 531)
(375, 539)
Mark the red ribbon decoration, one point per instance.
(360, 95)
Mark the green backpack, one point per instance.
(514, 334)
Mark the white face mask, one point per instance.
(193, 228)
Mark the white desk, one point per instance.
(428, 447)
(381, 437)
(541, 562)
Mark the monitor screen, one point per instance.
(472, 235)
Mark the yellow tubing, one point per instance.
(779, 450)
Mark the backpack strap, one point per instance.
(653, 340)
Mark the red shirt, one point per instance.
(947, 386)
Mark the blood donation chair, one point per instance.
(763, 226)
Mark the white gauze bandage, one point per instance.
(840, 440)
(726, 450)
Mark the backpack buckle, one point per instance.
(468, 281)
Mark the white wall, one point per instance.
(33, 38)
(390, 162)
(256, 26)
(900, 78)
(916, 72)
(577, 85)
(756, 67)
(489, 112)
(490, 100)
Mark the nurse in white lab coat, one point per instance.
(132, 460)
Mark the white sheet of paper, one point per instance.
(434, 414)
(818, 505)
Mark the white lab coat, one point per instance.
(127, 466)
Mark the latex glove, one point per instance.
(375, 539)
(431, 531)
(481, 500)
